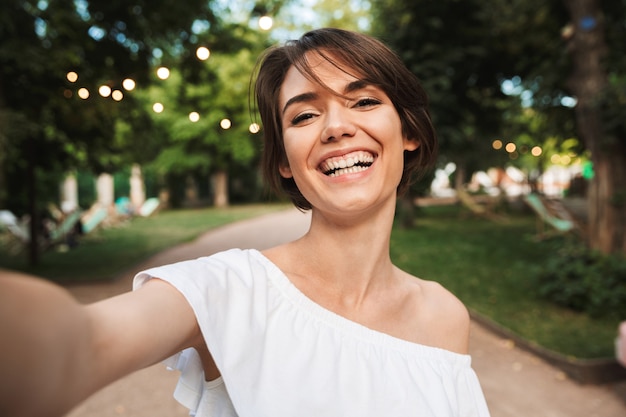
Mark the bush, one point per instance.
(586, 281)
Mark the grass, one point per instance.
(107, 252)
(490, 267)
(487, 265)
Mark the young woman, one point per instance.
(322, 326)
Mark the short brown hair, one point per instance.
(375, 64)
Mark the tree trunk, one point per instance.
(4, 148)
(607, 211)
(405, 211)
(137, 187)
(460, 174)
(33, 244)
(220, 188)
(191, 192)
(607, 214)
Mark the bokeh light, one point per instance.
(266, 22)
(157, 107)
(254, 128)
(117, 95)
(163, 73)
(128, 84)
(194, 116)
(497, 144)
(83, 93)
(203, 53)
(72, 77)
(104, 90)
(536, 151)
(510, 147)
(225, 124)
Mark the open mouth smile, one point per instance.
(347, 164)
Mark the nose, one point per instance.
(338, 125)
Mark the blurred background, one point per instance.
(116, 102)
(120, 110)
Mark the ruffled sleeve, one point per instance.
(202, 398)
(190, 385)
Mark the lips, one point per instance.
(347, 164)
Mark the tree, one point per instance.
(205, 124)
(45, 127)
(602, 130)
(465, 50)
(586, 61)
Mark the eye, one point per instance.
(367, 102)
(301, 118)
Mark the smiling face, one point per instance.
(372, 65)
(342, 136)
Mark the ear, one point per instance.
(285, 171)
(410, 144)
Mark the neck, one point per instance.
(348, 257)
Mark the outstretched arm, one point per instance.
(56, 352)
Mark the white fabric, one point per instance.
(282, 355)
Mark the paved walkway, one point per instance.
(516, 383)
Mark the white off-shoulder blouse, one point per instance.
(282, 355)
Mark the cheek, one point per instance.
(296, 148)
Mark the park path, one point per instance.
(516, 383)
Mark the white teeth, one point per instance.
(356, 162)
(350, 170)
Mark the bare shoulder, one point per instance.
(444, 301)
(443, 317)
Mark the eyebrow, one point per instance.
(355, 85)
(304, 97)
(300, 98)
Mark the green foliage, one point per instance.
(469, 52)
(584, 280)
(291, 22)
(528, 128)
(46, 129)
(216, 89)
(615, 15)
(526, 41)
(104, 42)
(612, 103)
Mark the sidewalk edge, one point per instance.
(585, 371)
